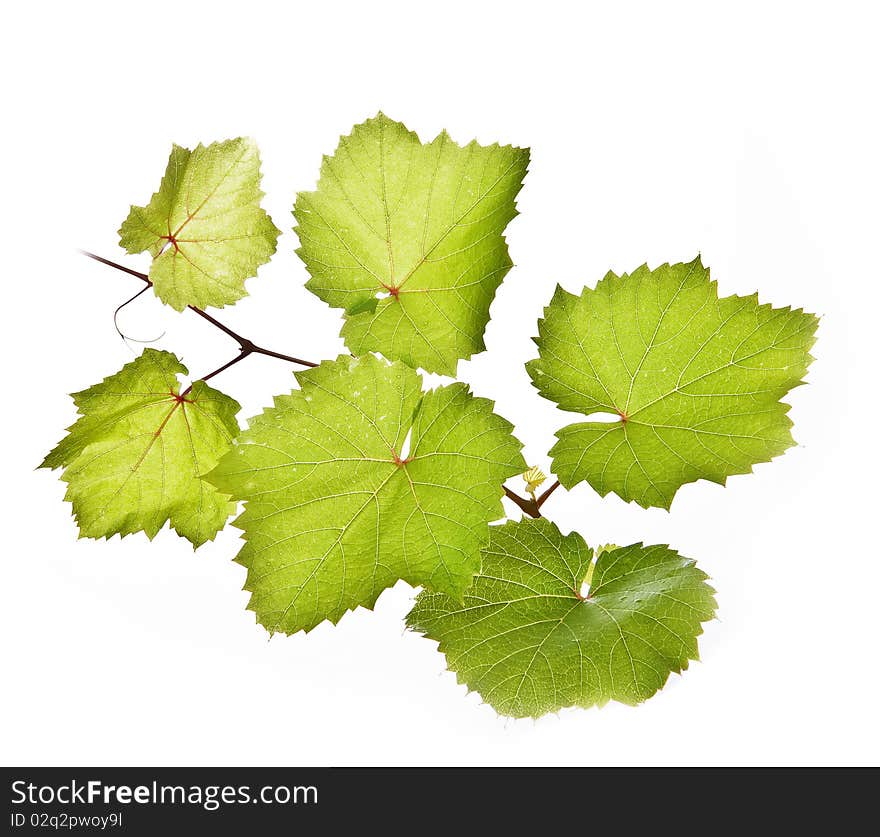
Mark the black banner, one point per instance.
(151, 801)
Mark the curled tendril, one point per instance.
(120, 332)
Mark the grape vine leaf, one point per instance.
(204, 227)
(692, 381)
(408, 239)
(336, 508)
(134, 459)
(529, 641)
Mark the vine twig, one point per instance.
(543, 498)
(531, 506)
(239, 357)
(248, 347)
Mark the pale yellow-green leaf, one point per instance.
(691, 383)
(408, 238)
(358, 479)
(134, 459)
(205, 227)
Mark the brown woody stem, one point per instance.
(530, 505)
(248, 347)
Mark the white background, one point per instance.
(747, 132)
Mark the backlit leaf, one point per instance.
(358, 479)
(692, 383)
(134, 459)
(408, 238)
(204, 227)
(531, 640)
